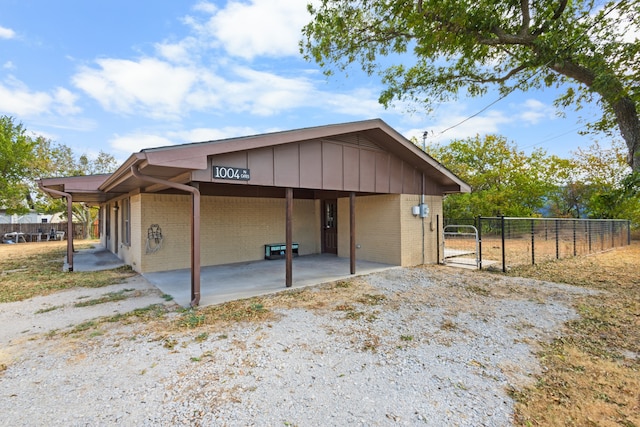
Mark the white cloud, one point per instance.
(6, 33)
(137, 141)
(532, 111)
(255, 28)
(23, 102)
(209, 134)
(359, 102)
(8, 65)
(454, 121)
(16, 98)
(140, 140)
(65, 102)
(159, 89)
(204, 6)
(124, 86)
(181, 52)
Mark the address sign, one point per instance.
(228, 172)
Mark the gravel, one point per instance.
(443, 347)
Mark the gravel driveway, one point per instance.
(439, 347)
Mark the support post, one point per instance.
(289, 238)
(437, 239)
(69, 221)
(195, 227)
(352, 231)
(195, 250)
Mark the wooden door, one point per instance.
(330, 226)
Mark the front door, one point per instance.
(330, 226)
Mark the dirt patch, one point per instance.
(63, 310)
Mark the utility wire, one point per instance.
(513, 88)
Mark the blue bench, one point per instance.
(278, 250)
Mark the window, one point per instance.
(126, 222)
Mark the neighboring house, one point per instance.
(219, 202)
(28, 218)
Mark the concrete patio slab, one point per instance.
(94, 259)
(230, 282)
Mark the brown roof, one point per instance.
(358, 151)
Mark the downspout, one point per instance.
(422, 216)
(195, 228)
(69, 221)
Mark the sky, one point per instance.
(120, 76)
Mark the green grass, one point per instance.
(108, 297)
(48, 309)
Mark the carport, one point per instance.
(357, 191)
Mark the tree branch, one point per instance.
(557, 14)
(504, 38)
(526, 17)
(574, 71)
(502, 79)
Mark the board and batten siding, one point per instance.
(323, 165)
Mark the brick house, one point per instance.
(357, 190)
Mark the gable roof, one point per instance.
(181, 163)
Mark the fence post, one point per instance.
(557, 241)
(628, 232)
(613, 242)
(504, 265)
(589, 233)
(575, 221)
(479, 254)
(533, 248)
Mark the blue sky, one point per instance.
(120, 76)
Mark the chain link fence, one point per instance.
(504, 242)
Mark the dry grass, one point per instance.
(31, 269)
(592, 373)
(166, 322)
(518, 251)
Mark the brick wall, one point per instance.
(232, 229)
(388, 232)
(377, 228)
(412, 230)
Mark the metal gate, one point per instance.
(459, 242)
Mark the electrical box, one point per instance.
(415, 210)
(424, 210)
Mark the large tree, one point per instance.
(16, 161)
(578, 45)
(504, 181)
(58, 160)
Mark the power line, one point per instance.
(513, 88)
(551, 138)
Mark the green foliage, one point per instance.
(594, 183)
(24, 159)
(597, 183)
(433, 51)
(504, 181)
(16, 161)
